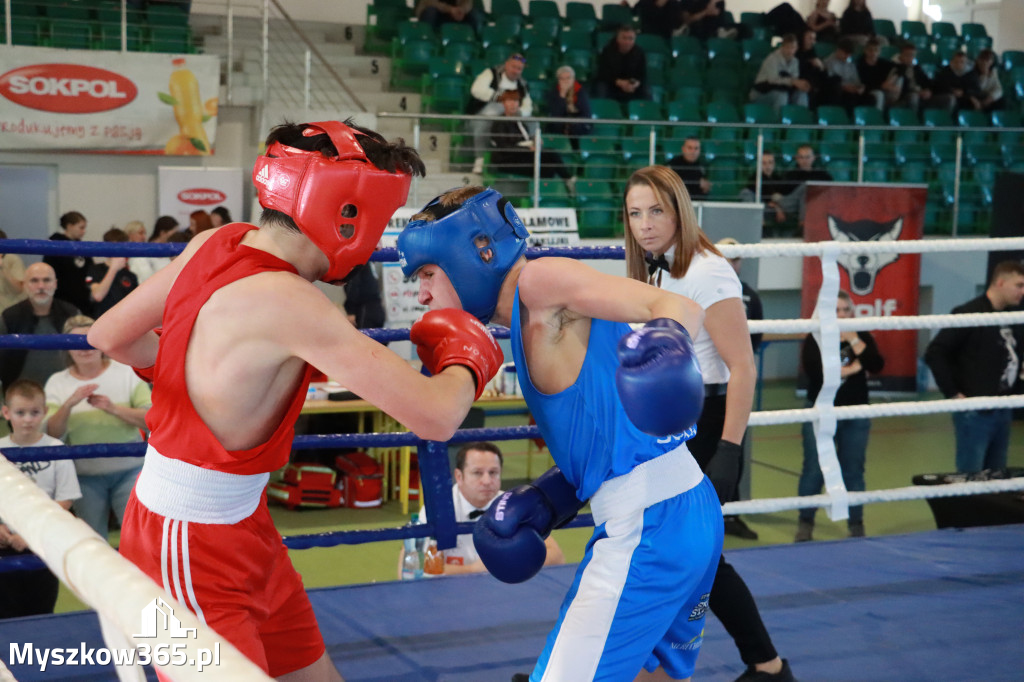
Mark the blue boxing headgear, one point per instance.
(475, 244)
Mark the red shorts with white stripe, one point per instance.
(236, 578)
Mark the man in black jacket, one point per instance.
(982, 361)
(40, 313)
(622, 68)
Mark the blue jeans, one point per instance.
(982, 439)
(102, 494)
(851, 442)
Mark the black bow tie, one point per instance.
(654, 263)
(476, 513)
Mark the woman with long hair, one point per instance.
(97, 400)
(666, 248)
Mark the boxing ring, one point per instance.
(881, 608)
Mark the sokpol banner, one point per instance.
(880, 284)
(104, 100)
(182, 190)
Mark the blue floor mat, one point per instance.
(942, 605)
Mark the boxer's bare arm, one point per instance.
(560, 296)
(125, 332)
(286, 317)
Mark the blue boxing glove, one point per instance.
(510, 537)
(659, 380)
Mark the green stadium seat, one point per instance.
(869, 116)
(414, 30)
(579, 10)
(588, 26)
(822, 50)
(971, 31)
(644, 110)
(532, 37)
(724, 112)
(834, 116)
(447, 95)
(724, 52)
(166, 15)
(651, 44)
(687, 69)
(939, 118)
(830, 152)
(754, 51)
(878, 151)
(1012, 59)
(78, 11)
(915, 172)
(886, 29)
(912, 28)
(580, 60)
(684, 110)
(912, 152)
(171, 39)
(506, 8)
(71, 34)
(541, 60)
(599, 157)
(607, 109)
(550, 27)
(552, 193)
(411, 62)
(977, 45)
(904, 118)
(752, 19)
(614, 15)
(383, 19)
(923, 44)
(598, 209)
(685, 45)
(943, 29)
(461, 51)
(457, 33)
(497, 54)
(728, 152)
(944, 51)
(575, 39)
(982, 153)
(842, 170)
(877, 171)
(763, 114)
(942, 153)
(723, 173)
(499, 34)
(543, 8)
(26, 30)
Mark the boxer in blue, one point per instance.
(615, 407)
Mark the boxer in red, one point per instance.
(242, 329)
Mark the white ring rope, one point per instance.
(902, 246)
(899, 322)
(897, 409)
(891, 495)
(95, 572)
(5, 674)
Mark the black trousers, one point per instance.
(730, 601)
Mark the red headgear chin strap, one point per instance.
(314, 190)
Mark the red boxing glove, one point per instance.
(454, 337)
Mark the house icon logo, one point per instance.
(159, 615)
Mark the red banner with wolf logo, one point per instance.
(880, 284)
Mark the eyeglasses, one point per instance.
(518, 58)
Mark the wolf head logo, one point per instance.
(863, 268)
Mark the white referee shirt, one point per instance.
(464, 553)
(709, 279)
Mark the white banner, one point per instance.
(547, 226)
(106, 100)
(184, 190)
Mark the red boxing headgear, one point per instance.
(342, 203)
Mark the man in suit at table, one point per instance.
(477, 484)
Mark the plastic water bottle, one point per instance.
(433, 559)
(411, 569)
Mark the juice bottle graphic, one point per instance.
(188, 106)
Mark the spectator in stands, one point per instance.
(988, 81)
(477, 484)
(812, 68)
(39, 313)
(439, 12)
(705, 19)
(220, 216)
(71, 271)
(12, 277)
(778, 81)
(567, 98)
(878, 75)
(622, 68)
(959, 80)
(32, 592)
(199, 221)
(111, 281)
(774, 193)
(844, 86)
(857, 24)
(513, 146)
(916, 87)
(658, 17)
(782, 19)
(145, 266)
(97, 400)
(487, 87)
(823, 22)
(797, 178)
(688, 167)
(135, 231)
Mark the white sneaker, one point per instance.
(478, 165)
